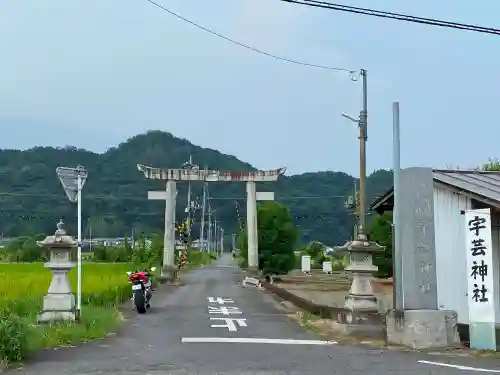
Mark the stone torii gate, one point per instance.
(171, 176)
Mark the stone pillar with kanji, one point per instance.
(59, 303)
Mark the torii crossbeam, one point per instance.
(208, 175)
(172, 175)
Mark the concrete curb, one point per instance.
(252, 281)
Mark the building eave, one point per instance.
(481, 186)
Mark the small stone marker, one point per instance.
(306, 264)
(327, 267)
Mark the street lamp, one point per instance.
(350, 118)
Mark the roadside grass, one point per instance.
(104, 288)
(199, 258)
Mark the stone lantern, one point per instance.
(59, 303)
(361, 304)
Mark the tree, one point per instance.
(116, 193)
(380, 231)
(277, 239)
(316, 251)
(491, 165)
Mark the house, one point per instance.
(434, 244)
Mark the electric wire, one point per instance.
(297, 62)
(395, 16)
(135, 198)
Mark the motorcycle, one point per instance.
(141, 289)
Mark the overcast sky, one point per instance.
(91, 73)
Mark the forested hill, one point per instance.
(115, 195)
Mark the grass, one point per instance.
(104, 287)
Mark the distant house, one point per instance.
(105, 241)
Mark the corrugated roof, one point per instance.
(485, 184)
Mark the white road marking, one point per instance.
(230, 323)
(249, 340)
(224, 310)
(459, 367)
(219, 300)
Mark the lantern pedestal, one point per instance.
(59, 303)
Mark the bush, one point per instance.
(13, 338)
(148, 253)
(380, 231)
(112, 254)
(25, 249)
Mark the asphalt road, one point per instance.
(161, 342)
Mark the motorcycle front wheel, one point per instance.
(140, 301)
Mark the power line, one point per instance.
(396, 16)
(287, 198)
(44, 214)
(135, 198)
(351, 71)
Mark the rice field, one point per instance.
(24, 285)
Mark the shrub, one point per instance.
(13, 338)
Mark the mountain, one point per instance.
(115, 194)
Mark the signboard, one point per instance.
(157, 195)
(264, 195)
(306, 264)
(69, 180)
(480, 278)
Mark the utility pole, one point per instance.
(362, 123)
(189, 165)
(356, 209)
(210, 224)
(216, 235)
(363, 137)
(221, 241)
(90, 239)
(202, 225)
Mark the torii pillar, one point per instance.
(171, 176)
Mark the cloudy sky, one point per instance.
(91, 73)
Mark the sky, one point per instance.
(92, 73)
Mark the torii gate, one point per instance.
(169, 195)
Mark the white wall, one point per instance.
(495, 242)
(451, 264)
(451, 251)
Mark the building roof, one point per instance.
(482, 185)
